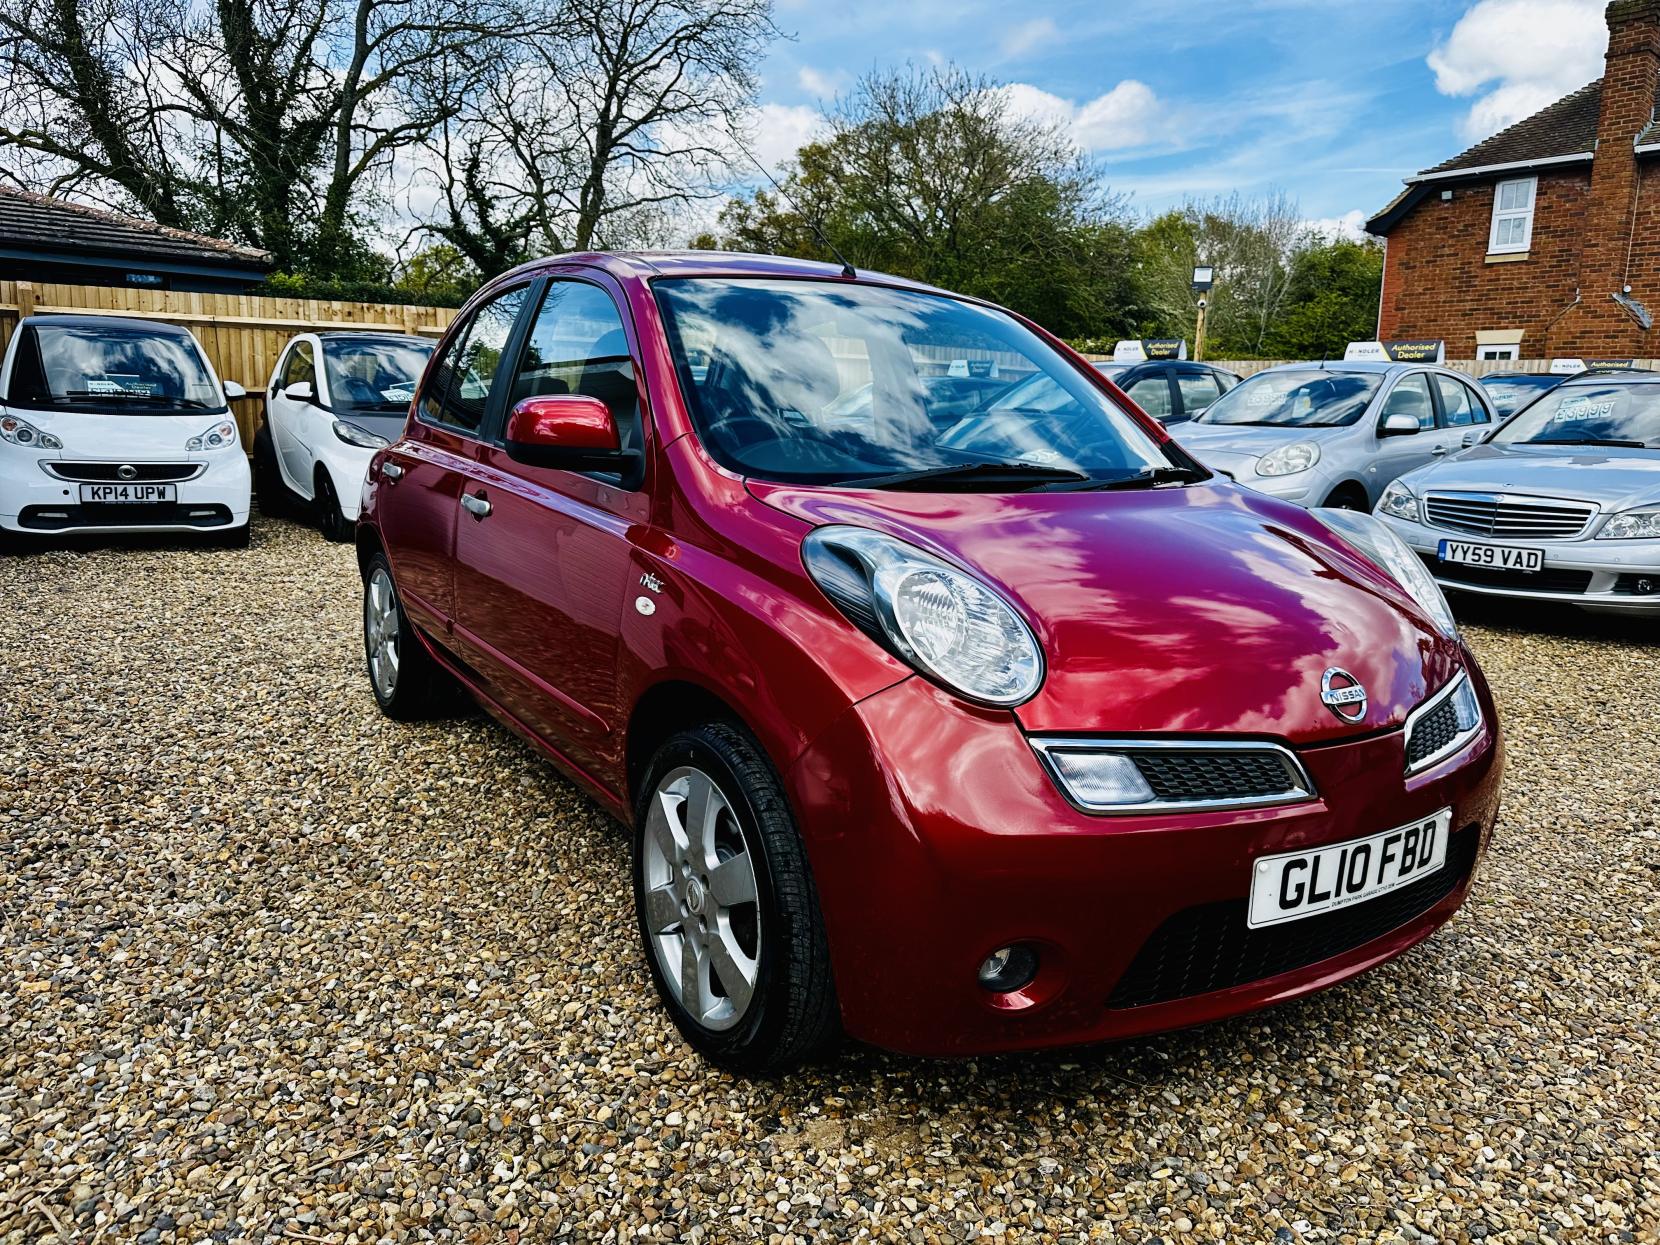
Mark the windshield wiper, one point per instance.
(1147, 477)
(1027, 474)
(153, 399)
(1626, 445)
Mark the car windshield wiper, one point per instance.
(1626, 445)
(152, 399)
(1147, 477)
(1026, 474)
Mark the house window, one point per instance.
(1512, 216)
(1499, 352)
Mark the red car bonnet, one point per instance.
(1204, 609)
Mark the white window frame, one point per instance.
(1502, 215)
(1512, 350)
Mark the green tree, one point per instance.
(1332, 301)
(932, 174)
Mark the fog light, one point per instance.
(1009, 968)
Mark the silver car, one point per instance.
(1561, 504)
(1335, 434)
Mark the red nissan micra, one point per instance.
(952, 705)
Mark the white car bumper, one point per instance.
(42, 493)
(1619, 576)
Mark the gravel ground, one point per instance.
(272, 966)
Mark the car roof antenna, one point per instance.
(812, 221)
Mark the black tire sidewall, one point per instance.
(749, 1045)
(330, 517)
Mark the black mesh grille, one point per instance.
(1432, 732)
(1230, 775)
(112, 471)
(1209, 946)
(1547, 580)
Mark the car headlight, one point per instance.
(1288, 460)
(22, 432)
(935, 617)
(216, 437)
(351, 434)
(1374, 538)
(1632, 525)
(1399, 502)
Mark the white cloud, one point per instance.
(819, 84)
(1523, 54)
(1021, 39)
(781, 129)
(1129, 115)
(1351, 226)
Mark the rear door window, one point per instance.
(1459, 406)
(1198, 390)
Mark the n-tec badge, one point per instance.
(648, 580)
(1342, 693)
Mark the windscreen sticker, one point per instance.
(1575, 409)
(399, 393)
(116, 383)
(1262, 396)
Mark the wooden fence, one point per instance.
(242, 333)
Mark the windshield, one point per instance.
(370, 375)
(108, 370)
(1299, 399)
(1589, 415)
(1511, 393)
(815, 382)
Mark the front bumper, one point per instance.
(31, 500)
(936, 837)
(1599, 574)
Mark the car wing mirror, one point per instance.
(1399, 424)
(568, 432)
(233, 391)
(300, 391)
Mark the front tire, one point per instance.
(331, 519)
(408, 684)
(1346, 497)
(727, 910)
(275, 497)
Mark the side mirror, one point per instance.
(300, 391)
(233, 391)
(569, 432)
(1399, 424)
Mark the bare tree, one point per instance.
(267, 119)
(622, 115)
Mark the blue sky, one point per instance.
(1333, 102)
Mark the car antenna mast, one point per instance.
(812, 221)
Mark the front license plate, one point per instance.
(1499, 557)
(1293, 885)
(127, 494)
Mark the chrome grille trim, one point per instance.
(1508, 515)
(89, 472)
(1426, 710)
(1298, 789)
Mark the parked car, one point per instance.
(1020, 732)
(1335, 434)
(1511, 391)
(117, 424)
(1172, 391)
(323, 424)
(1562, 504)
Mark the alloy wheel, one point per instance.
(381, 632)
(701, 903)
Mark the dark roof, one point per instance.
(57, 225)
(1566, 128)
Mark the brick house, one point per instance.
(1518, 247)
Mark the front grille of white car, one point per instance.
(111, 472)
(1507, 515)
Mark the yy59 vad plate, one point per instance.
(1496, 557)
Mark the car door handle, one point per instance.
(477, 506)
(391, 471)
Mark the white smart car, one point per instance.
(334, 399)
(117, 424)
